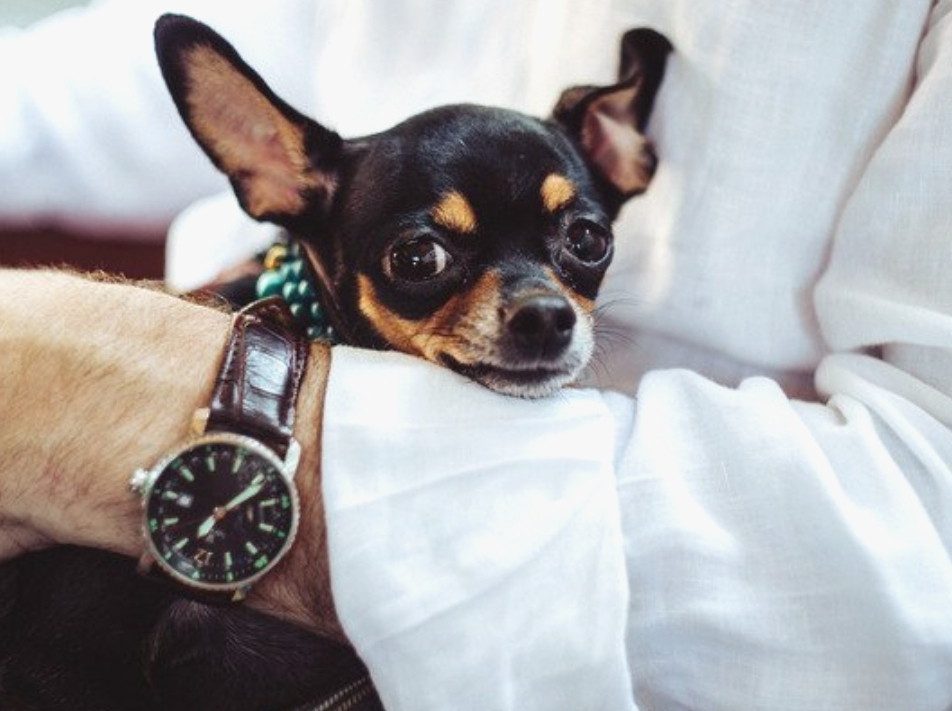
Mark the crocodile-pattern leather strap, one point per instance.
(259, 379)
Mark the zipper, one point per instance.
(348, 698)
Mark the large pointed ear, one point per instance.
(609, 122)
(282, 165)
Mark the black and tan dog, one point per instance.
(474, 237)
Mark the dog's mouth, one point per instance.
(526, 382)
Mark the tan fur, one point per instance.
(587, 305)
(557, 191)
(610, 138)
(465, 328)
(455, 213)
(252, 140)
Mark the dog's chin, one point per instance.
(528, 382)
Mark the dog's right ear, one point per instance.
(282, 165)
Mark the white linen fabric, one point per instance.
(700, 540)
(89, 137)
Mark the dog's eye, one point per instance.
(587, 241)
(418, 259)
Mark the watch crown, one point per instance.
(138, 480)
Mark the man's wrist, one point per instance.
(298, 588)
(101, 379)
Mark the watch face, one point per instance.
(220, 514)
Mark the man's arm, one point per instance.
(97, 379)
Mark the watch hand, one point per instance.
(207, 525)
(219, 513)
(248, 493)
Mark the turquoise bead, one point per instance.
(294, 268)
(289, 292)
(291, 281)
(269, 284)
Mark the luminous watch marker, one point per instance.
(250, 547)
(170, 521)
(228, 561)
(186, 474)
(261, 562)
(179, 545)
(266, 527)
(210, 463)
(169, 495)
(268, 502)
(239, 460)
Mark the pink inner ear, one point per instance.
(614, 145)
(272, 180)
(252, 141)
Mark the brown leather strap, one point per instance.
(258, 382)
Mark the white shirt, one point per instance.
(705, 540)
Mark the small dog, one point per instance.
(474, 237)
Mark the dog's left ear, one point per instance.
(608, 122)
(282, 165)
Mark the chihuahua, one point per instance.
(473, 237)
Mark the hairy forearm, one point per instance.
(98, 379)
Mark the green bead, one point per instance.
(295, 267)
(269, 284)
(289, 292)
(316, 312)
(305, 290)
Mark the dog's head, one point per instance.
(474, 237)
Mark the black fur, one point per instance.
(79, 629)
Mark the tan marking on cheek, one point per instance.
(398, 332)
(455, 213)
(557, 191)
(464, 327)
(587, 305)
(470, 322)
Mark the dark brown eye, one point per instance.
(418, 259)
(587, 242)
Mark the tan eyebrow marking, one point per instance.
(557, 191)
(454, 213)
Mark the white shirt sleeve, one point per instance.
(779, 554)
(88, 133)
(476, 555)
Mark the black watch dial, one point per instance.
(220, 514)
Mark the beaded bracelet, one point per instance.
(287, 274)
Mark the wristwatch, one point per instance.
(222, 510)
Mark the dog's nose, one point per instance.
(540, 325)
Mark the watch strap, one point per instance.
(260, 376)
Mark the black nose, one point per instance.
(540, 325)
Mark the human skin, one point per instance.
(100, 378)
